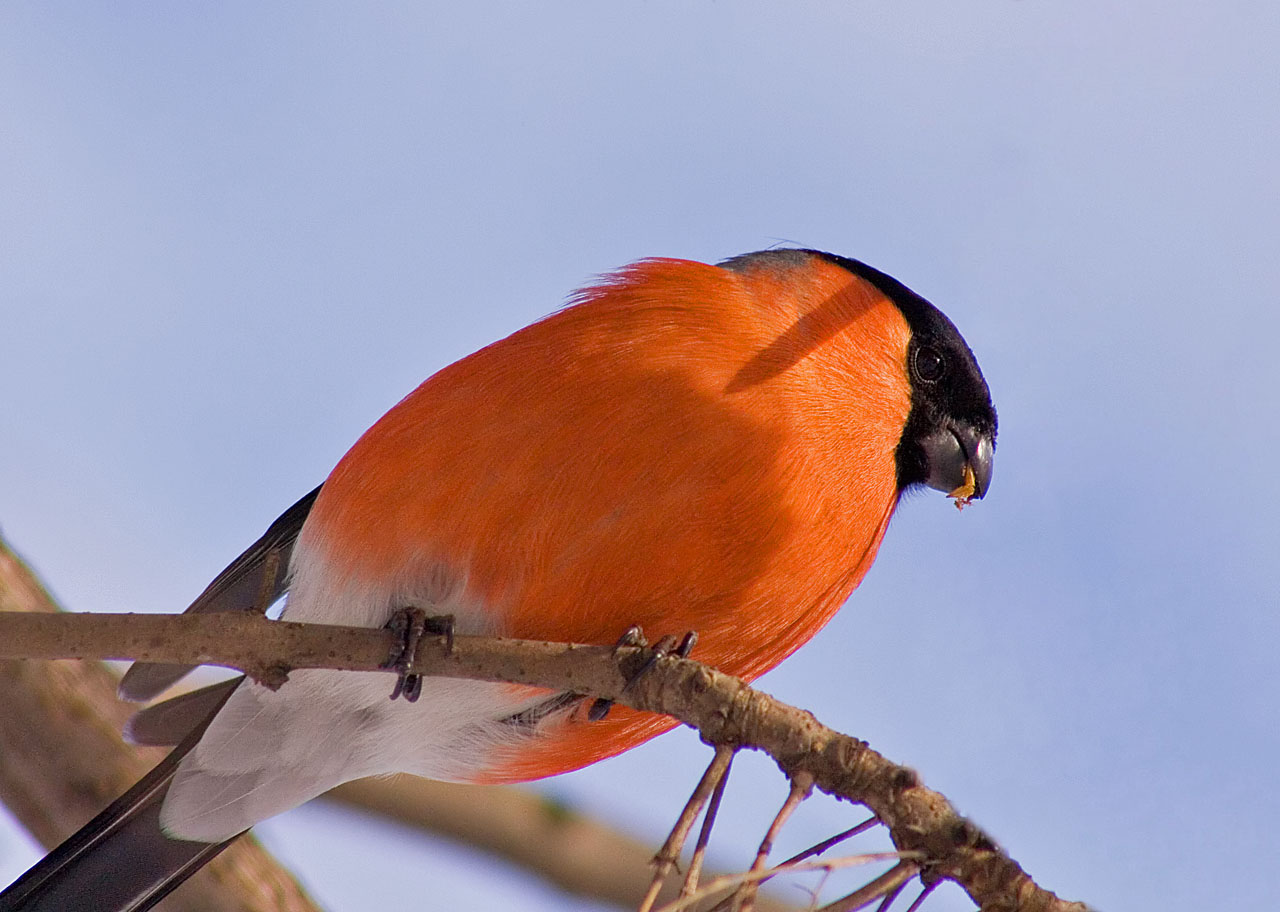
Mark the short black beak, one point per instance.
(951, 450)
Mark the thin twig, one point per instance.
(924, 894)
(730, 881)
(835, 840)
(801, 788)
(890, 897)
(669, 854)
(704, 835)
(890, 880)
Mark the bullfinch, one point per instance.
(684, 447)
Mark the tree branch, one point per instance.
(720, 707)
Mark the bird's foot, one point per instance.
(680, 647)
(410, 625)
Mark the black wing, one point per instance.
(252, 582)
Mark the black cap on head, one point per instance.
(952, 424)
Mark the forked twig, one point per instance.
(667, 856)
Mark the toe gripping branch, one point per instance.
(680, 647)
(410, 625)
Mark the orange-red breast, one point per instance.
(684, 447)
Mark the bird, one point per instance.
(683, 447)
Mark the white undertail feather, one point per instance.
(268, 751)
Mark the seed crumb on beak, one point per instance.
(963, 495)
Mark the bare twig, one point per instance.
(669, 854)
(891, 881)
(835, 840)
(704, 835)
(892, 895)
(733, 881)
(801, 788)
(722, 708)
(924, 894)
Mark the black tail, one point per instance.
(120, 861)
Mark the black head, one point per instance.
(952, 424)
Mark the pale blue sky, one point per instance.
(232, 235)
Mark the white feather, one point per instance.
(268, 751)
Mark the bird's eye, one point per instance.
(929, 364)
